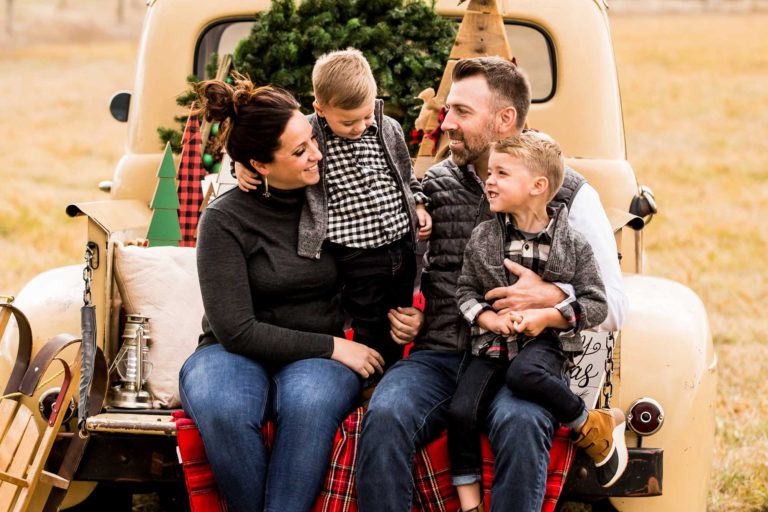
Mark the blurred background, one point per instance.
(694, 81)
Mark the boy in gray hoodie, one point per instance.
(524, 174)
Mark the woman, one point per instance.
(271, 345)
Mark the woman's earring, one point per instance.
(266, 187)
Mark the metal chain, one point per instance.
(610, 343)
(88, 273)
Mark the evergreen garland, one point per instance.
(405, 41)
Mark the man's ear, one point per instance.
(318, 109)
(260, 167)
(506, 120)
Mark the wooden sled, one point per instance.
(24, 444)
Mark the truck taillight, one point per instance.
(645, 416)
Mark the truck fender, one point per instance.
(667, 354)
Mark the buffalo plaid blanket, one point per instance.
(431, 471)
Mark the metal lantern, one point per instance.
(132, 365)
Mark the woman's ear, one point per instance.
(260, 167)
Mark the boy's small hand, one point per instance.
(425, 222)
(246, 179)
(529, 322)
(494, 322)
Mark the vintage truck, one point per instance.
(663, 362)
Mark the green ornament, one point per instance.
(215, 129)
(207, 160)
(229, 80)
(216, 168)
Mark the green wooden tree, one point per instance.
(164, 228)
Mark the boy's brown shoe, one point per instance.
(602, 437)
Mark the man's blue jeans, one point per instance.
(409, 408)
(230, 396)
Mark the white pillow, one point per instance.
(161, 283)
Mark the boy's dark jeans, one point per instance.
(373, 282)
(539, 374)
(480, 381)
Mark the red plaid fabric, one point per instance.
(431, 472)
(191, 172)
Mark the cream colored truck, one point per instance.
(664, 355)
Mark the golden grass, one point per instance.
(696, 113)
(696, 116)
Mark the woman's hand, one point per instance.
(246, 179)
(359, 358)
(425, 222)
(405, 323)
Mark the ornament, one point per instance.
(207, 160)
(216, 168)
(215, 129)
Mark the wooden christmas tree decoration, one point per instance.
(164, 227)
(481, 34)
(191, 174)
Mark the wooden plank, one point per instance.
(483, 6)
(7, 410)
(53, 480)
(481, 35)
(13, 437)
(20, 463)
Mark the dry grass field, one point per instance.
(696, 112)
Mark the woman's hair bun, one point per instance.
(217, 100)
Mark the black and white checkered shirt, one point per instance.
(365, 205)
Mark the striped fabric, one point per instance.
(191, 173)
(431, 471)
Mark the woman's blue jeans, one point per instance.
(230, 397)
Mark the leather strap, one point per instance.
(24, 350)
(42, 360)
(77, 444)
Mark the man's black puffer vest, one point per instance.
(457, 204)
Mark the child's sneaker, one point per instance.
(602, 437)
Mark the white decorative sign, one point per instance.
(589, 371)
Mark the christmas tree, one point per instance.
(164, 228)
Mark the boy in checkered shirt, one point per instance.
(524, 174)
(369, 209)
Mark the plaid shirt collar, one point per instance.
(544, 236)
(371, 130)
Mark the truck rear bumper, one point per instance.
(642, 478)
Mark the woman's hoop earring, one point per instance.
(266, 187)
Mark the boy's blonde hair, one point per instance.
(343, 79)
(540, 155)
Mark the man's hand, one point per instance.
(405, 323)
(529, 292)
(246, 179)
(425, 222)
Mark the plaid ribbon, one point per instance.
(191, 173)
(431, 471)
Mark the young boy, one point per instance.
(524, 174)
(369, 207)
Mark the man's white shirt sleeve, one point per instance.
(587, 216)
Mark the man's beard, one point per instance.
(473, 148)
